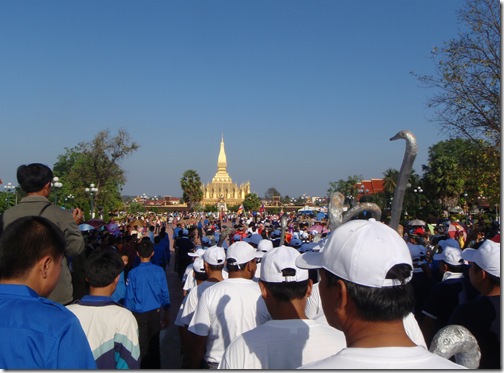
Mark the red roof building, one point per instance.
(368, 187)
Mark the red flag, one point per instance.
(261, 210)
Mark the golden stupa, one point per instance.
(221, 189)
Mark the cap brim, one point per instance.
(259, 254)
(469, 254)
(438, 256)
(310, 260)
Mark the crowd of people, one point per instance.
(257, 295)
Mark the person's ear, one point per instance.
(309, 289)
(264, 290)
(45, 263)
(342, 294)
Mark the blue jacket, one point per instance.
(36, 333)
(146, 288)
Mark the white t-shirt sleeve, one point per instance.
(201, 320)
(413, 330)
(190, 306)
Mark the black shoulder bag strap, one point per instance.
(43, 209)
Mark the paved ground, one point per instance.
(169, 339)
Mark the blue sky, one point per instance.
(304, 91)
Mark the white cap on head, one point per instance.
(362, 252)
(199, 265)
(198, 253)
(214, 255)
(487, 257)
(265, 245)
(450, 255)
(279, 265)
(242, 252)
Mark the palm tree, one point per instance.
(390, 181)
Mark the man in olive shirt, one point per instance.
(35, 179)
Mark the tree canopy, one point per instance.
(95, 162)
(190, 184)
(459, 166)
(468, 75)
(251, 202)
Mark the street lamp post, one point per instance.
(91, 190)
(350, 199)
(69, 199)
(418, 190)
(57, 185)
(9, 189)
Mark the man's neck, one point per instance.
(40, 193)
(292, 310)
(101, 292)
(215, 276)
(368, 334)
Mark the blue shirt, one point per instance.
(120, 290)
(36, 333)
(146, 288)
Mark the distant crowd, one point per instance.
(260, 291)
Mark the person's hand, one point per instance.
(165, 320)
(78, 215)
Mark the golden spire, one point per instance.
(221, 161)
(222, 175)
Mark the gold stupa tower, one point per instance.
(221, 188)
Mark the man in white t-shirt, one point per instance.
(227, 309)
(214, 259)
(290, 340)
(365, 268)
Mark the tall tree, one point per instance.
(271, 192)
(460, 166)
(390, 180)
(191, 188)
(346, 187)
(251, 202)
(468, 75)
(97, 162)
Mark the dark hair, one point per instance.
(102, 267)
(287, 291)
(25, 241)
(216, 267)
(33, 177)
(455, 268)
(145, 248)
(233, 266)
(201, 276)
(381, 304)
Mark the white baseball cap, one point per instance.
(214, 255)
(265, 245)
(362, 252)
(450, 255)
(199, 265)
(487, 257)
(198, 253)
(242, 252)
(276, 261)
